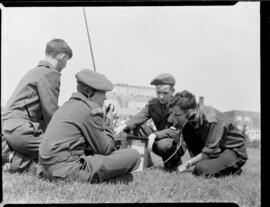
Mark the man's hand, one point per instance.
(120, 128)
(110, 112)
(184, 167)
(170, 132)
(151, 139)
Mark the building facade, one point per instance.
(247, 121)
(129, 100)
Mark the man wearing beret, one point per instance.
(78, 144)
(216, 146)
(163, 141)
(30, 108)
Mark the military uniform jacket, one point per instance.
(77, 128)
(212, 133)
(34, 99)
(155, 110)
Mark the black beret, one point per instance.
(163, 79)
(94, 80)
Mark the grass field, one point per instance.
(154, 185)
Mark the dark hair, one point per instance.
(185, 100)
(85, 90)
(56, 46)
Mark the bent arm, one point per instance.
(99, 136)
(48, 91)
(138, 119)
(184, 167)
(197, 158)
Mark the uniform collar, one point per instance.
(79, 96)
(44, 63)
(198, 120)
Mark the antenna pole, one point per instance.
(89, 40)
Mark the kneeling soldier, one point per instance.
(79, 141)
(165, 139)
(216, 146)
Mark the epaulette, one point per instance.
(96, 111)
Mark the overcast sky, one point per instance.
(213, 51)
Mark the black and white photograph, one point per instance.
(131, 104)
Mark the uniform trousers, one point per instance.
(228, 162)
(93, 168)
(165, 148)
(24, 140)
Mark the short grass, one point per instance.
(154, 185)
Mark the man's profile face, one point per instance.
(100, 97)
(164, 93)
(177, 117)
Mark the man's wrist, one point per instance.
(152, 136)
(188, 164)
(156, 134)
(159, 134)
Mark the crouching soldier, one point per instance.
(216, 146)
(79, 141)
(165, 139)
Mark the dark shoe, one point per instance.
(170, 167)
(173, 163)
(238, 172)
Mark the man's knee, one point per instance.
(25, 143)
(134, 154)
(130, 154)
(201, 170)
(164, 145)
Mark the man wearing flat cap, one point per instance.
(78, 144)
(164, 140)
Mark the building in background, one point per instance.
(129, 100)
(247, 121)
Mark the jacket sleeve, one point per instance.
(98, 135)
(213, 139)
(48, 89)
(162, 134)
(139, 118)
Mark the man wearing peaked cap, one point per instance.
(94, 80)
(163, 140)
(79, 143)
(163, 79)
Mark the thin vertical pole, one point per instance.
(89, 40)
